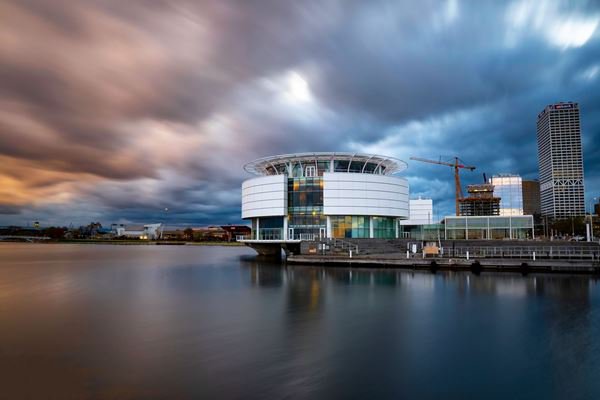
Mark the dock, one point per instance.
(472, 256)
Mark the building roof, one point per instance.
(273, 165)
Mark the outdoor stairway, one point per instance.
(366, 246)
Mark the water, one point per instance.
(94, 321)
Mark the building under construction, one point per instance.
(481, 201)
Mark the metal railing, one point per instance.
(547, 252)
(304, 236)
(270, 234)
(340, 244)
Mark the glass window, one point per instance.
(456, 222)
(384, 227)
(456, 234)
(477, 223)
(341, 165)
(355, 226)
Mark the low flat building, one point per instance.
(143, 232)
(419, 225)
(489, 227)
(235, 231)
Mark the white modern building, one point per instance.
(420, 212)
(144, 232)
(560, 161)
(334, 195)
(509, 188)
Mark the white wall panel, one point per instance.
(421, 212)
(364, 194)
(264, 196)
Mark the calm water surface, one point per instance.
(100, 321)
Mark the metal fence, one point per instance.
(532, 252)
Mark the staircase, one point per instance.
(365, 246)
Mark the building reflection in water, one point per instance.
(558, 307)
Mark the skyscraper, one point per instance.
(509, 189)
(560, 161)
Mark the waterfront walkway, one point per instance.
(524, 256)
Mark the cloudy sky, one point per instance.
(116, 110)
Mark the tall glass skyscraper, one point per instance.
(510, 190)
(560, 161)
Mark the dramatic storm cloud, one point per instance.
(115, 111)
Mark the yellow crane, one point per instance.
(457, 165)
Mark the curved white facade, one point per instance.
(264, 196)
(365, 194)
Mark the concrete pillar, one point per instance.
(329, 231)
(371, 228)
(397, 222)
(257, 228)
(285, 227)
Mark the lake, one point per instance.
(130, 322)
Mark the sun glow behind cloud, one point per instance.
(550, 19)
(121, 111)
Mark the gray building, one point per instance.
(560, 161)
(531, 198)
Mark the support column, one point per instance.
(257, 228)
(397, 222)
(329, 231)
(285, 228)
(371, 228)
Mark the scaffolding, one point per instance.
(481, 201)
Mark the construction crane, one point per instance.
(457, 165)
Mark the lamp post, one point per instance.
(594, 199)
(164, 223)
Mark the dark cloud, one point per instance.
(116, 110)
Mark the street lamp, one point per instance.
(594, 199)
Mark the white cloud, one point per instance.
(558, 24)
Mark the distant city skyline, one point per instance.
(117, 112)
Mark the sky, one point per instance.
(145, 111)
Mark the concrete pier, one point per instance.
(457, 264)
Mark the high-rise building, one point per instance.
(560, 161)
(509, 189)
(481, 201)
(531, 198)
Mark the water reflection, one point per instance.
(187, 322)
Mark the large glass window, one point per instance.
(305, 195)
(350, 226)
(305, 205)
(384, 227)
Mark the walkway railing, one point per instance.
(341, 245)
(562, 252)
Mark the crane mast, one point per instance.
(457, 166)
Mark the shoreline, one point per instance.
(128, 242)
